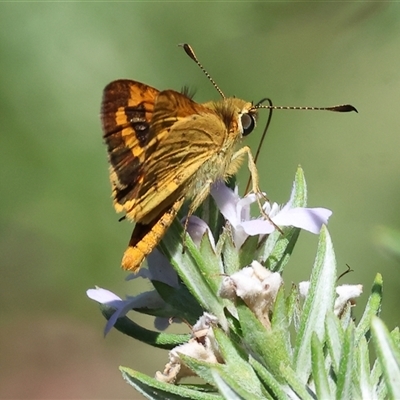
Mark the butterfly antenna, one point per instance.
(270, 107)
(339, 108)
(189, 51)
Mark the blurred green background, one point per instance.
(59, 232)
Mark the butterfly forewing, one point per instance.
(126, 113)
(163, 149)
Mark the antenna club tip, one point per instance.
(354, 109)
(188, 50)
(349, 108)
(343, 108)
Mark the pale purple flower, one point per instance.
(122, 307)
(237, 211)
(197, 228)
(159, 269)
(151, 300)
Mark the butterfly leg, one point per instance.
(252, 168)
(245, 150)
(197, 200)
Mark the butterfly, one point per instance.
(165, 149)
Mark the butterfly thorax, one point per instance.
(220, 164)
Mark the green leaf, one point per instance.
(362, 378)
(199, 367)
(334, 338)
(235, 370)
(226, 391)
(319, 300)
(300, 189)
(295, 383)
(282, 250)
(292, 307)
(388, 355)
(278, 248)
(319, 371)
(206, 370)
(344, 377)
(153, 389)
(268, 346)
(236, 366)
(233, 385)
(376, 375)
(180, 301)
(280, 322)
(208, 212)
(247, 252)
(395, 335)
(193, 270)
(161, 340)
(371, 309)
(269, 381)
(230, 253)
(215, 267)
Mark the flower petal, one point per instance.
(243, 206)
(310, 219)
(102, 296)
(257, 227)
(226, 200)
(196, 228)
(124, 307)
(161, 270)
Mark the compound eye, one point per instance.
(248, 123)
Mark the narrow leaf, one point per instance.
(267, 346)
(270, 382)
(153, 389)
(371, 309)
(277, 249)
(319, 300)
(299, 387)
(362, 371)
(230, 254)
(388, 355)
(193, 271)
(344, 377)
(334, 339)
(226, 391)
(180, 302)
(319, 371)
(248, 250)
(206, 370)
(238, 368)
(280, 323)
(283, 249)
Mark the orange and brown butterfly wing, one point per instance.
(126, 112)
(187, 135)
(148, 134)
